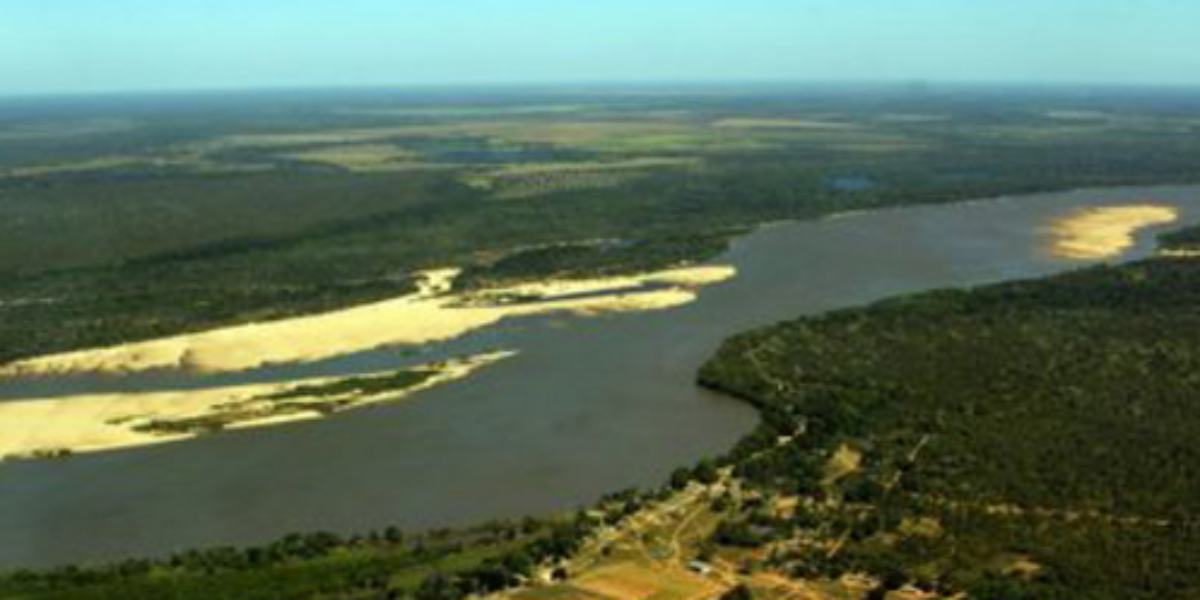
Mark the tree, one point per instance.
(393, 535)
(706, 472)
(438, 587)
(680, 478)
(739, 592)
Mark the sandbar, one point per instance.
(1105, 232)
(432, 314)
(53, 427)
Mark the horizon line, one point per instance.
(597, 86)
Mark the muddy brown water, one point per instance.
(591, 405)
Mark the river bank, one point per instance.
(588, 406)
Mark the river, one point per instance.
(589, 406)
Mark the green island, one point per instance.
(321, 398)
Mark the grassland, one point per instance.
(530, 180)
(360, 158)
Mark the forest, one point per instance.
(1023, 440)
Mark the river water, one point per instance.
(589, 406)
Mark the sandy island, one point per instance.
(53, 427)
(432, 314)
(1105, 232)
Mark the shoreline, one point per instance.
(94, 360)
(55, 428)
(1027, 237)
(432, 314)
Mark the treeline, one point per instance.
(387, 564)
(595, 259)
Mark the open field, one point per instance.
(529, 180)
(359, 158)
(631, 580)
(783, 124)
(645, 555)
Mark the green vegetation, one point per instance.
(601, 258)
(437, 565)
(1184, 240)
(1024, 440)
(530, 180)
(323, 399)
(386, 564)
(355, 386)
(177, 216)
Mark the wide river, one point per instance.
(589, 406)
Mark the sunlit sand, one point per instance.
(1106, 232)
(51, 427)
(432, 314)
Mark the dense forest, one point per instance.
(1023, 440)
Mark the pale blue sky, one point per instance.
(107, 45)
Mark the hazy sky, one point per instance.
(100, 45)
